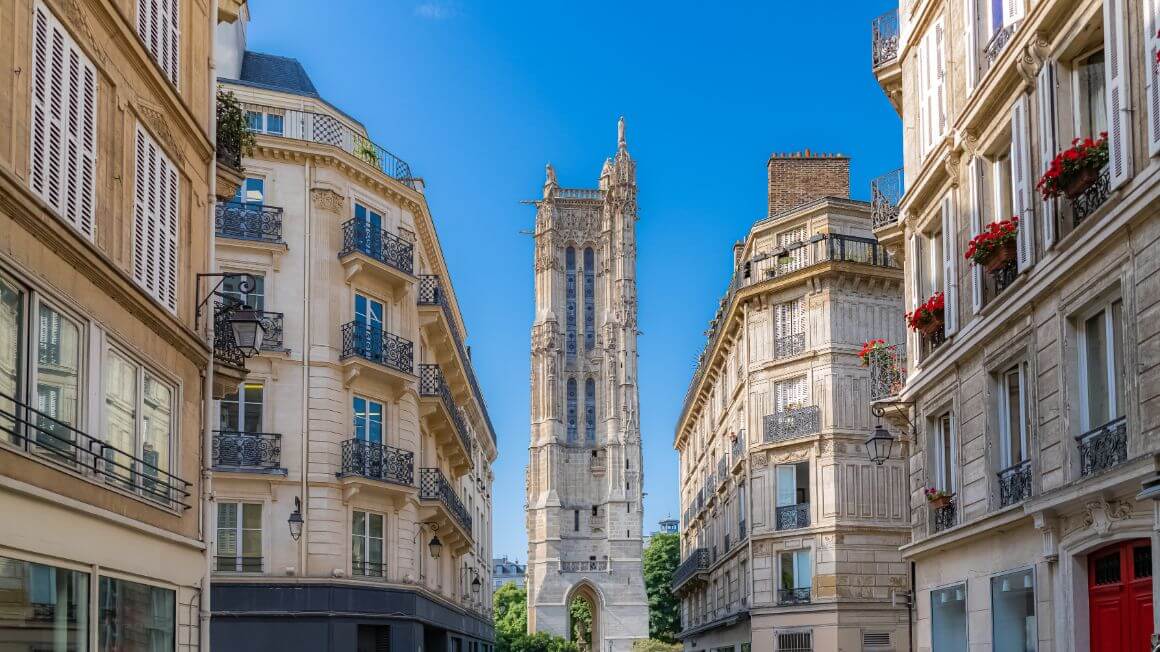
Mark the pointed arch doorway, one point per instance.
(584, 610)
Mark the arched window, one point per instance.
(589, 299)
(571, 410)
(590, 411)
(570, 302)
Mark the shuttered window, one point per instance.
(932, 86)
(1117, 94)
(1152, 79)
(1045, 99)
(64, 123)
(155, 222)
(1021, 182)
(950, 259)
(158, 24)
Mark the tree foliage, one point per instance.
(661, 558)
(581, 613)
(653, 645)
(510, 618)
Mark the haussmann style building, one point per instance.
(790, 535)
(1032, 395)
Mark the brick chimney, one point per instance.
(801, 177)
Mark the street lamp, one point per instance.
(879, 445)
(244, 322)
(435, 546)
(248, 330)
(295, 521)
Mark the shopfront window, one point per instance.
(45, 609)
(136, 617)
(949, 619)
(1013, 612)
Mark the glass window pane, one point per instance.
(251, 543)
(949, 619)
(1092, 118)
(274, 123)
(252, 516)
(252, 416)
(1096, 378)
(1118, 359)
(359, 525)
(1013, 417)
(44, 607)
(1013, 612)
(135, 617)
(11, 335)
(120, 415)
(255, 120)
(255, 190)
(375, 529)
(229, 412)
(787, 579)
(57, 379)
(157, 428)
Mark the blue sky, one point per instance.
(478, 96)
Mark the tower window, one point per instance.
(575, 520)
(589, 300)
(570, 302)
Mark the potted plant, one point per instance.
(994, 248)
(928, 317)
(1075, 169)
(365, 150)
(234, 140)
(871, 349)
(937, 497)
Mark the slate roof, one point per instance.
(276, 73)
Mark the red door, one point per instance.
(1120, 597)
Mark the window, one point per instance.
(269, 121)
(242, 411)
(1013, 437)
(136, 617)
(589, 299)
(139, 420)
(796, 577)
(255, 298)
(795, 641)
(64, 123)
(790, 394)
(931, 84)
(57, 377)
(570, 302)
(155, 222)
(1091, 114)
(796, 254)
(793, 495)
(368, 420)
(159, 26)
(1013, 612)
(944, 454)
(572, 427)
(590, 411)
(949, 619)
(12, 333)
(46, 608)
(252, 191)
(239, 537)
(790, 328)
(575, 520)
(366, 544)
(1101, 355)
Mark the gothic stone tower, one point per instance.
(584, 473)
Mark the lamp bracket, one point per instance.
(247, 285)
(900, 410)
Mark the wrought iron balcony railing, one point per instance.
(328, 130)
(584, 566)
(790, 424)
(432, 383)
(372, 343)
(790, 345)
(433, 485)
(696, 562)
(387, 248)
(931, 342)
(1103, 448)
(246, 450)
(225, 347)
(237, 564)
(887, 371)
(368, 569)
(64, 446)
(1091, 199)
(792, 517)
(272, 323)
(945, 517)
(885, 191)
(1015, 483)
(376, 461)
(722, 470)
(737, 451)
(884, 38)
(742, 532)
(794, 596)
(245, 221)
(998, 43)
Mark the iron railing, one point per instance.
(722, 470)
(884, 38)
(887, 371)
(432, 383)
(945, 517)
(368, 568)
(433, 485)
(367, 459)
(1015, 483)
(584, 566)
(998, 43)
(64, 446)
(696, 562)
(791, 424)
(737, 451)
(742, 532)
(885, 192)
(245, 221)
(792, 517)
(387, 248)
(328, 130)
(1005, 276)
(934, 340)
(1103, 448)
(1091, 199)
(237, 564)
(790, 345)
(431, 294)
(272, 324)
(246, 450)
(711, 486)
(799, 595)
(372, 343)
(225, 347)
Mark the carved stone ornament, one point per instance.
(760, 460)
(327, 200)
(158, 127)
(951, 164)
(407, 234)
(1099, 515)
(75, 18)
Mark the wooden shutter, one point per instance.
(1117, 94)
(1045, 96)
(913, 268)
(976, 185)
(950, 256)
(924, 86)
(1152, 82)
(158, 23)
(64, 123)
(1012, 12)
(972, 34)
(1021, 184)
(940, 70)
(155, 222)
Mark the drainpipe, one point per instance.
(206, 500)
(305, 446)
(910, 609)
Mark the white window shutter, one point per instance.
(1020, 183)
(950, 257)
(1012, 11)
(941, 78)
(158, 26)
(976, 183)
(155, 222)
(971, 12)
(1152, 82)
(924, 94)
(1045, 96)
(64, 123)
(1117, 94)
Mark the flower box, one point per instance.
(1075, 169)
(929, 316)
(1000, 257)
(995, 247)
(932, 324)
(1081, 182)
(937, 498)
(940, 502)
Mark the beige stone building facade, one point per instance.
(789, 534)
(106, 171)
(585, 471)
(1034, 404)
(362, 415)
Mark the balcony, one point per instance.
(796, 596)
(792, 517)
(237, 564)
(328, 130)
(885, 191)
(229, 358)
(445, 506)
(997, 44)
(59, 444)
(245, 221)
(722, 471)
(931, 341)
(272, 323)
(389, 353)
(259, 452)
(589, 566)
(884, 38)
(1090, 199)
(944, 517)
(364, 568)
(443, 417)
(1103, 448)
(693, 569)
(1015, 483)
(375, 461)
(737, 450)
(887, 371)
(789, 346)
(367, 249)
(791, 424)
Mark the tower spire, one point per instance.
(621, 143)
